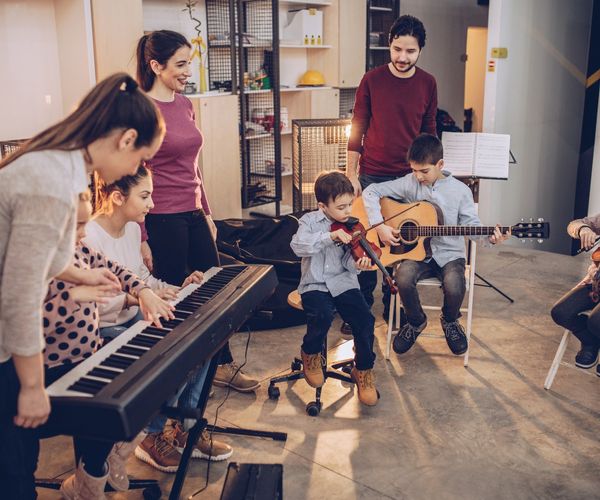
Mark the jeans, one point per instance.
(368, 279)
(187, 398)
(320, 308)
(452, 276)
(110, 332)
(566, 313)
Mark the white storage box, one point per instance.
(305, 27)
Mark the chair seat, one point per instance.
(294, 300)
(436, 282)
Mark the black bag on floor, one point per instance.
(266, 241)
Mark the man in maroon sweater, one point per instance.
(394, 104)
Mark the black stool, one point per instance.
(339, 370)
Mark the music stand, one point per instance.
(473, 183)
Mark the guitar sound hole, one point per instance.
(409, 232)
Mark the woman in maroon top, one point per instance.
(180, 229)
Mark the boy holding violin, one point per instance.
(329, 283)
(585, 296)
(429, 182)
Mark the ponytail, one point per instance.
(102, 191)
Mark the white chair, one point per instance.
(396, 302)
(560, 352)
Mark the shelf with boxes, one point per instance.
(380, 16)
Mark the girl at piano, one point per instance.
(114, 128)
(115, 231)
(181, 231)
(71, 329)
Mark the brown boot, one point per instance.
(216, 451)
(229, 375)
(365, 383)
(117, 462)
(82, 486)
(312, 365)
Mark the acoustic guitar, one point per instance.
(418, 222)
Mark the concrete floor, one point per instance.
(439, 431)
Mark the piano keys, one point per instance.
(116, 391)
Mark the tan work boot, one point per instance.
(82, 486)
(158, 452)
(365, 383)
(229, 375)
(117, 462)
(312, 365)
(215, 451)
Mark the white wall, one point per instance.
(446, 23)
(537, 95)
(594, 205)
(30, 88)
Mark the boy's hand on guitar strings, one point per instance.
(498, 237)
(388, 235)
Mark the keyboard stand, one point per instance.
(200, 425)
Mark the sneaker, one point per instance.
(365, 383)
(587, 356)
(455, 336)
(205, 449)
(158, 452)
(406, 337)
(312, 365)
(117, 462)
(346, 329)
(229, 375)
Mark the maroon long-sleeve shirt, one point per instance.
(389, 112)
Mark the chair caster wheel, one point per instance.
(273, 392)
(347, 369)
(152, 493)
(296, 365)
(313, 409)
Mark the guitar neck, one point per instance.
(459, 230)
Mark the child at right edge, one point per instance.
(329, 283)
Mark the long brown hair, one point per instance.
(116, 102)
(158, 46)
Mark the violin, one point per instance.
(361, 247)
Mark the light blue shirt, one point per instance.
(326, 267)
(452, 196)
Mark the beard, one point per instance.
(404, 69)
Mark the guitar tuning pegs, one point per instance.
(541, 219)
(530, 219)
(540, 241)
(522, 220)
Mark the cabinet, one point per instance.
(381, 14)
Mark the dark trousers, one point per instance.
(567, 313)
(452, 276)
(19, 447)
(182, 243)
(368, 279)
(320, 309)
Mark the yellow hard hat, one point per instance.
(312, 78)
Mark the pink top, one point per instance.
(178, 183)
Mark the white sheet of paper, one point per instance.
(459, 153)
(491, 156)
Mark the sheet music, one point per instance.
(459, 153)
(476, 154)
(491, 156)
